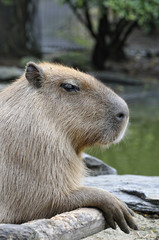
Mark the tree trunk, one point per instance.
(99, 54)
(116, 51)
(101, 51)
(109, 38)
(110, 42)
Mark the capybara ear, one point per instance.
(34, 74)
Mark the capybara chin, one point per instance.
(47, 118)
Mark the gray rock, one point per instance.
(10, 73)
(72, 225)
(141, 193)
(17, 232)
(97, 167)
(148, 230)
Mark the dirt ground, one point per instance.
(148, 230)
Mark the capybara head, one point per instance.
(79, 106)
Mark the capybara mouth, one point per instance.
(122, 132)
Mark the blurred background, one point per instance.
(117, 41)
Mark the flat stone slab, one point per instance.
(141, 193)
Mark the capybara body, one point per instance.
(47, 118)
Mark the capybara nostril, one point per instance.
(122, 111)
(120, 116)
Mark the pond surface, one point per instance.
(138, 153)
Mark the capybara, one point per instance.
(47, 118)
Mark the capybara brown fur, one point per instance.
(47, 118)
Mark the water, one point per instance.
(138, 153)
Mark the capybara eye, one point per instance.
(70, 88)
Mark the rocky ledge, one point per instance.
(84, 223)
(141, 193)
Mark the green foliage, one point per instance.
(7, 2)
(110, 22)
(81, 3)
(142, 11)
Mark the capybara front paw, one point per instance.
(117, 212)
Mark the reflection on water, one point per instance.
(138, 153)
